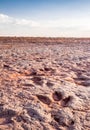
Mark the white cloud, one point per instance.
(61, 27)
(65, 22)
(68, 23)
(26, 22)
(5, 19)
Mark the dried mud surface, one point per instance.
(45, 86)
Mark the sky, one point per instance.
(45, 18)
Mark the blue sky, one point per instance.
(68, 18)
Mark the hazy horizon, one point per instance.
(45, 18)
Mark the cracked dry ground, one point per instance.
(45, 86)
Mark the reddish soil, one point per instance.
(44, 83)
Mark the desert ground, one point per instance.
(44, 83)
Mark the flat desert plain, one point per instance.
(44, 83)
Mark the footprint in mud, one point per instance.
(63, 118)
(47, 69)
(57, 96)
(6, 115)
(33, 73)
(34, 114)
(86, 83)
(38, 80)
(44, 99)
(6, 66)
(83, 80)
(66, 101)
(49, 84)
